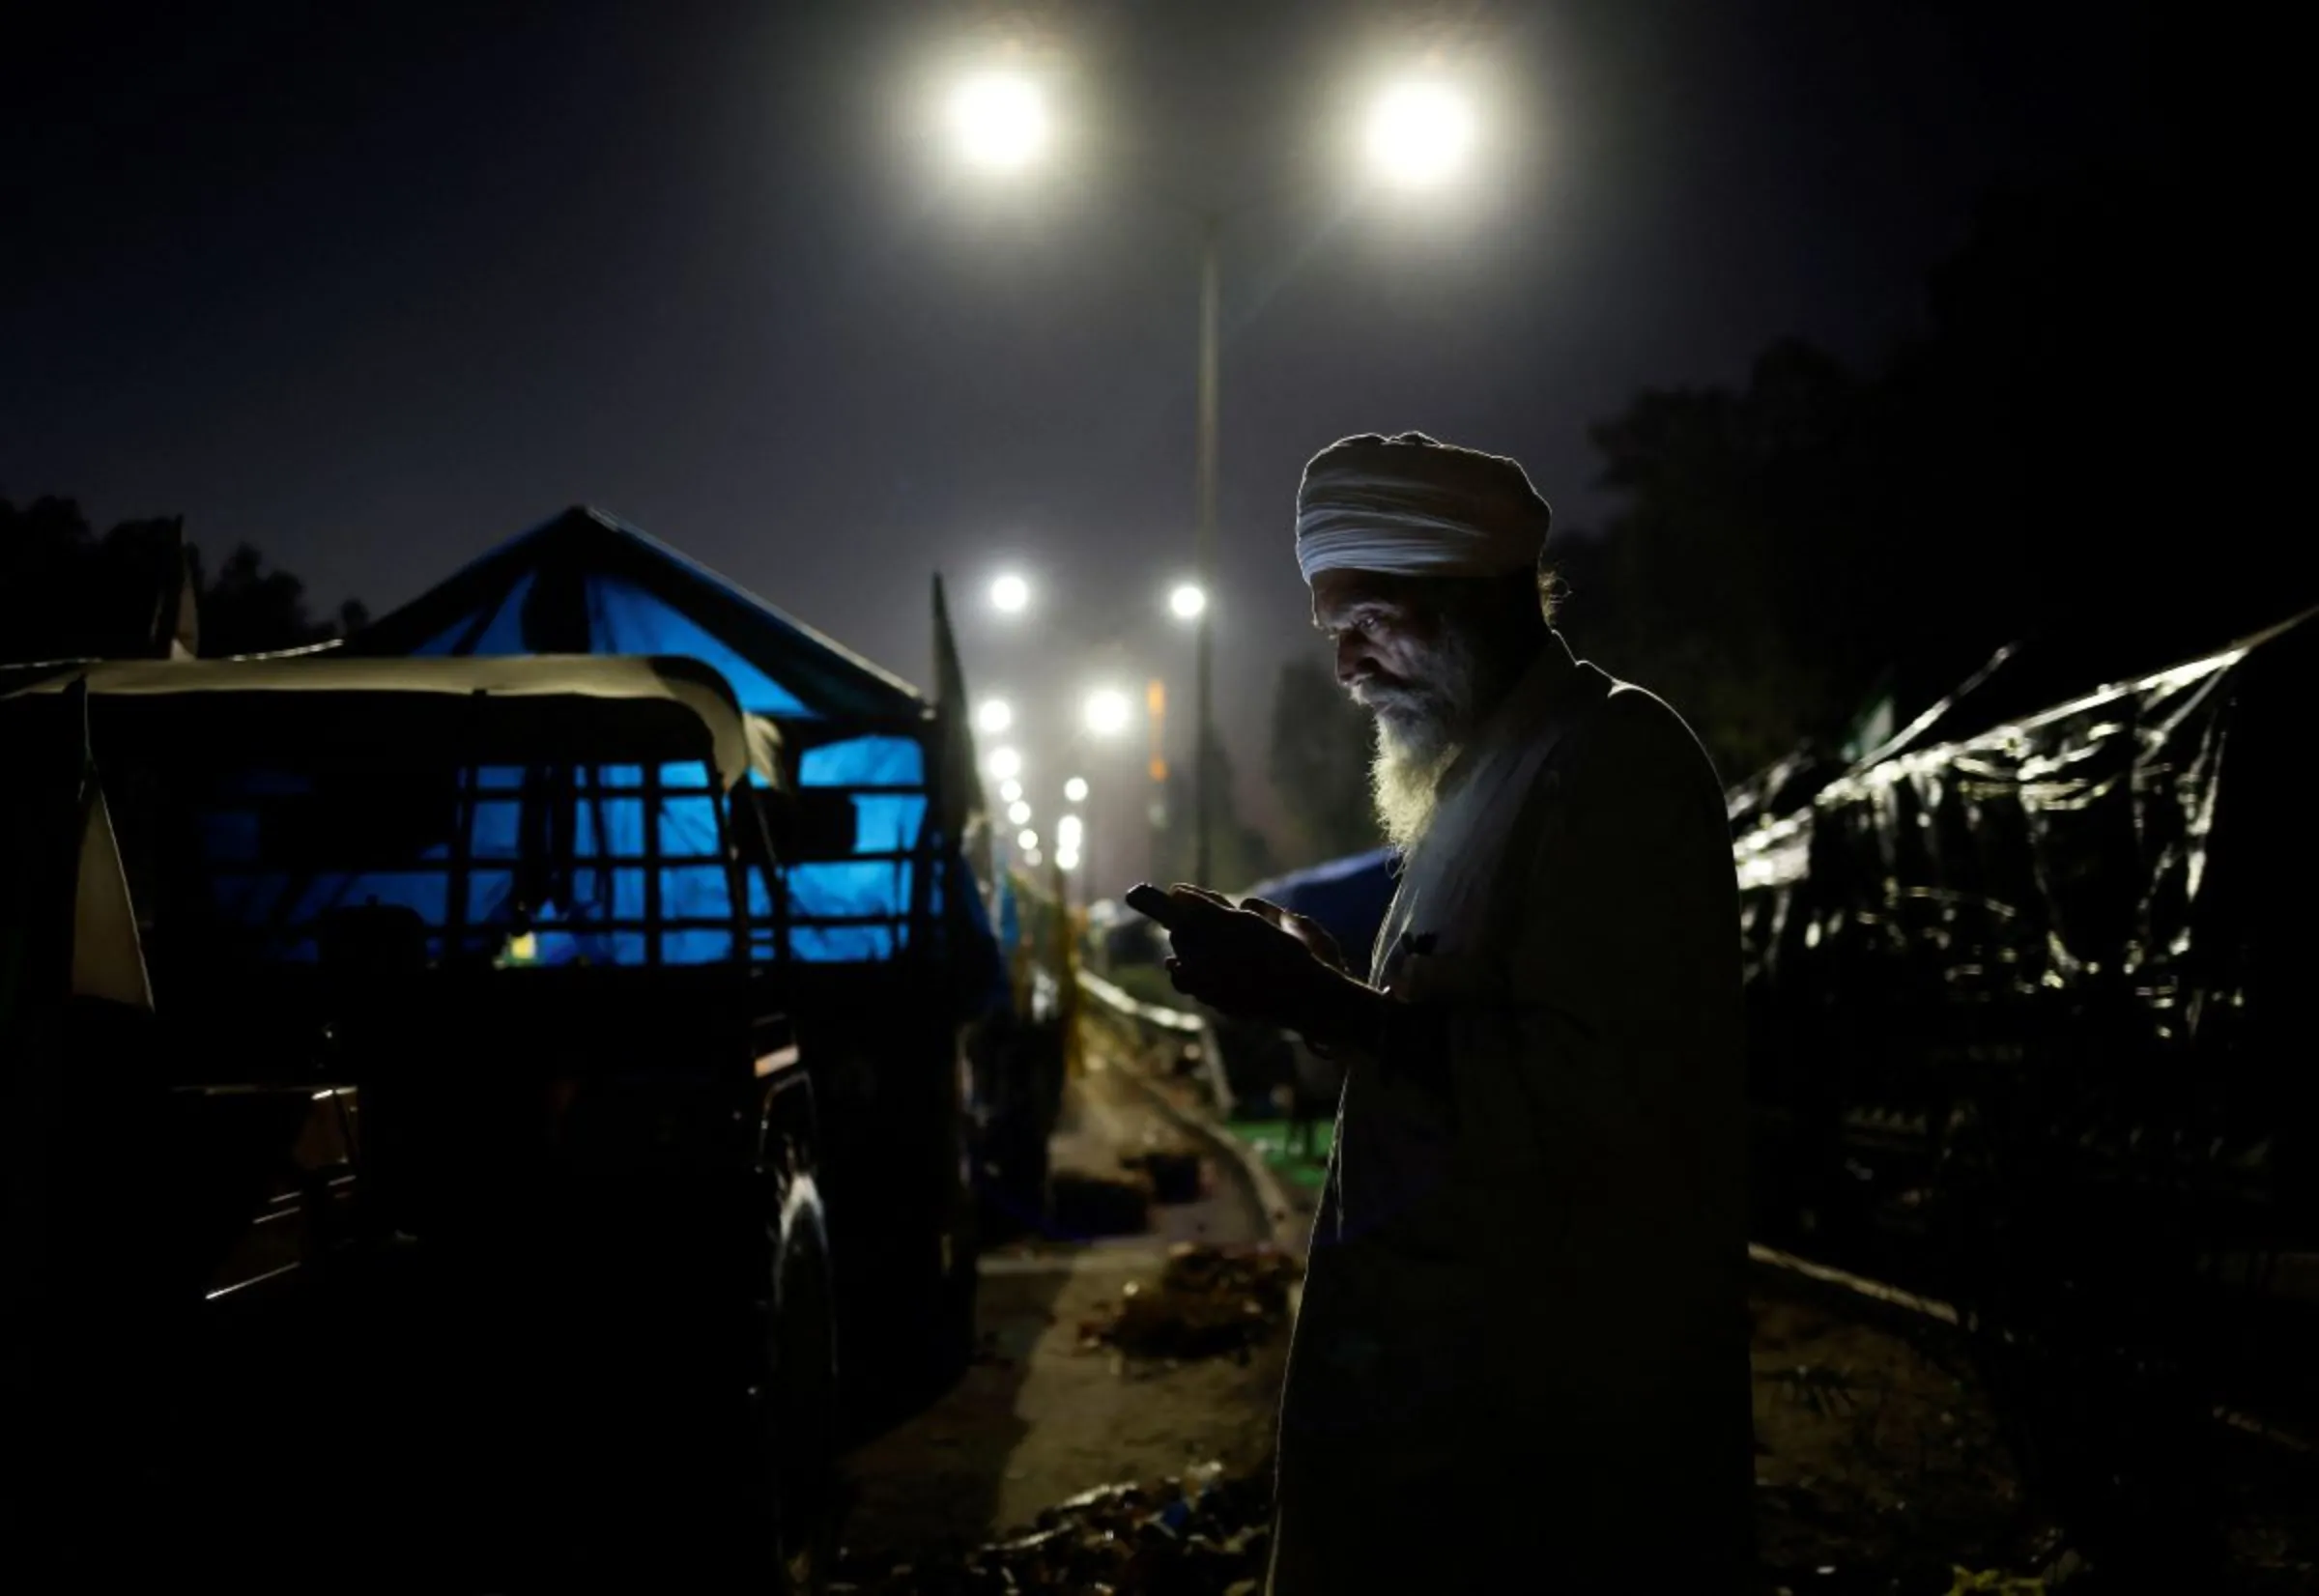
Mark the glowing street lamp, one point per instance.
(1420, 132)
(1009, 792)
(1107, 712)
(1066, 861)
(1075, 790)
(1018, 812)
(1069, 830)
(1005, 763)
(1000, 119)
(993, 715)
(1027, 839)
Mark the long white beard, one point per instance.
(1419, 729)
(1405, 784)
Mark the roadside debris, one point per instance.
(1083, 1205)
(1201, 1533)
(1173, 1169)
(1207, 1301)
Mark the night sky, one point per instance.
(375, 288)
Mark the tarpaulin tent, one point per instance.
(2109, 898)
(587, 583)
(2029, 1025)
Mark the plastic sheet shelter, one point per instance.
(2098, 916)
(587, 583)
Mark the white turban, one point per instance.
(1412, 506)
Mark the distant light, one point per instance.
(1108, 712)
(1018, 812)
(1075, 790)
(1068, 832)
(1188, 601)
(1027, 840)
(1000, 119)
(994, 716)
(1420, 131)
(1009, 792)
(1009, 594)
(1005, 763)
(1064, 861)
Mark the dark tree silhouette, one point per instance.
(1743, 578)
(67, 594)
(2052, 463)
(247, 608)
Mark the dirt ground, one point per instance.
(1040, 1420)
(1037, 1418)
(1879, 1465)
(1872, 1453)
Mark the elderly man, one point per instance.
(1522, 1359)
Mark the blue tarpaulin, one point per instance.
(586, 583)
(604, 910)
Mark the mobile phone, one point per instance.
(1152, 903)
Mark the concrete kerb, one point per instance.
(1178, 1022)
(1276, 1211)
(2286, 1435)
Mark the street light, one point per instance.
(1027, 839)
(1009, 594)
(1018, 812)
(1075, 790)
(1107, 712)
(1009, 792)
(1419, 134)
(994, 716)
(1000, 119)
(1419, 131)
(1005, 763)
(1069, 832)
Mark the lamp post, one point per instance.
(1420, 132)
(1203, 667)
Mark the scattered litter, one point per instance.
(1173, 1169)
(1200, 1533)
(1969, 1580)
(1209, 1302)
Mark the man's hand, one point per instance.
(1305, 928)
(1246, 964)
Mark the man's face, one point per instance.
(1395, 655)
(1401, 656)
